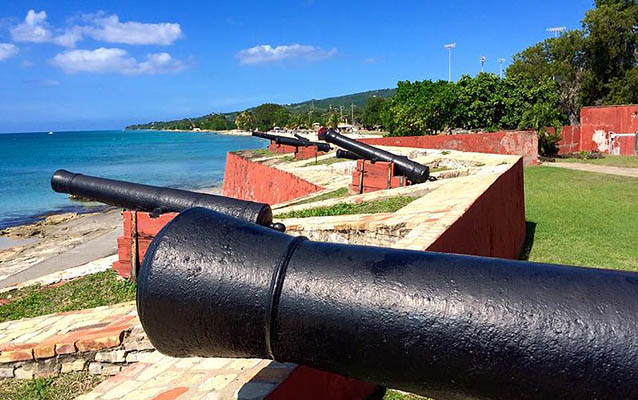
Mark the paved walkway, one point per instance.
(107, 340)
(601, 169)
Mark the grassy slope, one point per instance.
(89, 291)
(612, 161)
(582, 218)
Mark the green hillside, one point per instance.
(358, 99)
(225, 121)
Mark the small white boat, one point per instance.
(50, 132)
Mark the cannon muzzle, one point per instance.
(288, 141)
(415, 172)
(440, 325)
(154, 198)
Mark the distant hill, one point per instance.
(358, 99)
(216, 122)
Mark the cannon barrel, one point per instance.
(151, 198)
(415, 172)
(349, 155)
(285, 140)
(441, 325)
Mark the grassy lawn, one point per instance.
(90, 291)
(325, 161)
(366, 207)
(582, 218)
(65, 387)
(612, 161)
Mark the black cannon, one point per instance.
(285, 140)
(415, 172)
(349, 155)
(441, 325)
(158, 199)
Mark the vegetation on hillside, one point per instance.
(214, 122)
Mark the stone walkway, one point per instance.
(601, 169)
(110, 341)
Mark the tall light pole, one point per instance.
(501, 61)
(556, 30)
(482, 60)
(449, 47)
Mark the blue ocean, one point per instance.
(176, 159)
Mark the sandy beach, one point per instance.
(60, 241)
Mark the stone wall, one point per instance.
(523, 143)
(248, 180)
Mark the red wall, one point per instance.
(524, 143)
(617, 119)
(248, 180)
(570, 140)
(494, 226)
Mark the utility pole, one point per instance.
(341, 113)
(482, 60)
(501, 61)
(449, 47)
(352, 121)
(557, 30)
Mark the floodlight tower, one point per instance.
(501, 61)
(556, 30)
(449, 47)
(482, 60)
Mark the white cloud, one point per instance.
(33, 29)
(7, 50)
(110, 29)
(266, 53)
(99, 27)
(115, 61)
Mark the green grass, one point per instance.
(325, 161)
(335, 194)
(100, 289)
(581, 218)
(611, 161)
(366, 207)
(395, 395)
(263, 153)
(64, 387)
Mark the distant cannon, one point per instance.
(348, 155)
(285, 140)
(158, 199)
(415, 172)
(440, 325)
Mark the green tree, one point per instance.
(372, 112)
(624, 90)
(480, 102)
(246, 121)
(269, 115)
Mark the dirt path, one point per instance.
(601, 169)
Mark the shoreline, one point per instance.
(232, 132)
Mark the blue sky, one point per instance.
(74, 65)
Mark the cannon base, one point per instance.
(371, 177)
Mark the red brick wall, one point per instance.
(524, 143)
(248, 180)
(597, 122)
(570, 140)
(494, 226)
